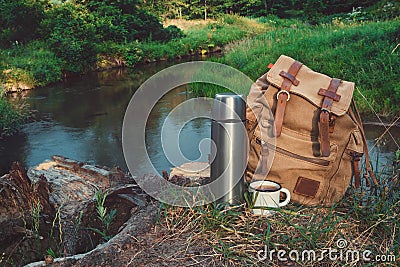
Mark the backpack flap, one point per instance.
(332, 96)
(310, 83)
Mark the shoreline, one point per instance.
(112, 63)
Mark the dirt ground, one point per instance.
(146, 241)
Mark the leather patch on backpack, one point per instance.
(306, 187)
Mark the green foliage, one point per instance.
(19, 20)
(147, 26)
(33, 64)
(125, 21)
(11, 117)
(129, 54)
(51, 252)
(362, 53)
(203, 38)
(367, 218)
(109, 23)
(250, 198)
(71, 36)
(313, 11)
(173, 32)
(105, 217)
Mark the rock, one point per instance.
(192, 170)
(190, 174)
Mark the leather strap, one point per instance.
(369, 171)
(264, 157)
(325, 115)
(357, 179)
(283, 96)
(356, 157)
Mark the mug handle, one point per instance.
(286, 201)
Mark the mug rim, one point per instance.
(266, 191)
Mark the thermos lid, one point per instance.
(232, 107)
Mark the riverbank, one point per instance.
(366, 53)
(34, 64)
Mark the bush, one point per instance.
(147, 26)
(124, 21)
(173, 32)
(38, 62)
(129, 53)
(10, 117)
(19, 20)
(72, 37)
(29, 65)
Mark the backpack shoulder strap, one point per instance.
(356, 116)
(289, 79)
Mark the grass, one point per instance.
(360, 222)
(364, 53)
(11, 116)
(24, 67)
(201, 37)
(34, 64)
(105, 217)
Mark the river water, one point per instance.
(82, 118)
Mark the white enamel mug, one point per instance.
(268, 196)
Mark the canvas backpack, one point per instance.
(305, 133)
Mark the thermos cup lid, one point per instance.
(232, 107)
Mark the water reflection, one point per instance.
(382, 144)
(82, 119)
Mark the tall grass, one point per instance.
(366, 221)
(29, 66)
(203, 37)
(25, 66)
(11, 116)
(360, 52)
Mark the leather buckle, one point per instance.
(283, 91)
(327, 110)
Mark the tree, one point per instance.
(20, 19)
(71, 35)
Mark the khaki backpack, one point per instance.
(305, 133)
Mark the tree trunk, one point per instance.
(54, 206)
(205, 9)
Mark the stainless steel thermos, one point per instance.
(229, 152)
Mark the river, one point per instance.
(82, 118)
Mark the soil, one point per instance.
(145, 241)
